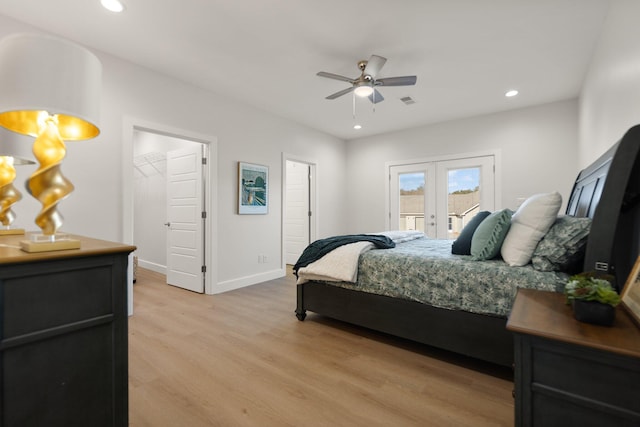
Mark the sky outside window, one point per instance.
(411, 181)
(459, 179)
(464, 179)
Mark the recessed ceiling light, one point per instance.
(357, 127)
(511, 93)
(113, 5)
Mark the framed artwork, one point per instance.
(253, 189)
(631, 292)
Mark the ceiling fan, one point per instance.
(366, 85)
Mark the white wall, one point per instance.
(537, 147)
(610, 98)
(243, 133)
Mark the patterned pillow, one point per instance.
(562, 248)
(488, 237)
(462, 245)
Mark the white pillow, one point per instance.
(529, 224)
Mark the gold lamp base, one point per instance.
(45, 243)
(11, 231)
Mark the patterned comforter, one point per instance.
(424, 270)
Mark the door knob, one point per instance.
(168, 224)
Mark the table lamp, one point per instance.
(49, 89)
(9, 194)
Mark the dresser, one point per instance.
(569, 373)
(63, 335)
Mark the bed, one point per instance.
(607, 192)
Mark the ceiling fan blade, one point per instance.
(335, 77)
(342, 92)
(374, 65)
(397, 81)
(376, 97)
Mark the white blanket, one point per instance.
(341, 264)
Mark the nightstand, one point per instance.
(569, 373)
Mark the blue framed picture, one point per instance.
(253, 189)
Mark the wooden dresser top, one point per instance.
(545, 314)
(10, 252)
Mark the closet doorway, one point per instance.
(299, 219)
(170, 196)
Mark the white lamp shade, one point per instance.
(41, 73)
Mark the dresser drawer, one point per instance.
(586, 374)
(67, 381)
(550, 411)
(44, 299)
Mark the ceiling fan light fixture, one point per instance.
(366, 86)
(113, 5)
(363, 89)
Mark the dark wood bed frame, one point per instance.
(607, 191)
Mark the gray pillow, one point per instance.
(563, 247)
(488, 237)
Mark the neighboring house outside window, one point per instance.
(462, 207)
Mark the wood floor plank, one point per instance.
(243, 359)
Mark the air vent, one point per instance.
(408, 100)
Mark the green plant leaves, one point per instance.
(589, 288)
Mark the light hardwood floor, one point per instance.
(243, 359)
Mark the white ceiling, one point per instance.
(465, 53)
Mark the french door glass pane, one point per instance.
(412, 200)
(463, 198)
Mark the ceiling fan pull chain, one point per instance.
(354, 106)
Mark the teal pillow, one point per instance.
(488, 237)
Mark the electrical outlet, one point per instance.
(264, 259)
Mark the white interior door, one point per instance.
(185, 223)
(297, 222)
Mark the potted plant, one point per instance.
(592, 297)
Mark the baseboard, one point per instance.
(152, 266)
(229, 285)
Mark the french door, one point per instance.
(413, 201)
(440, 197)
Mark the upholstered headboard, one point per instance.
(608, 191)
